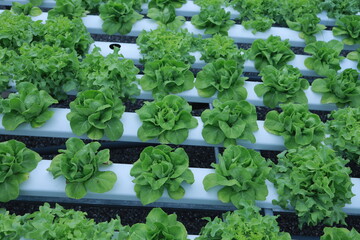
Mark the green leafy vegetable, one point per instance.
(258, 24)
(168, 119)
(16, 162)
(246, 224)
(334, 233)
(242, 173)
(296, 124)
(79, 164)
(160, 168)
(271, 51)
(308, 25)
(214, 19)
(96, 112)
(342, 89)
(325, 57)
(339, 8)
(71, 9)
(206, 3)
(159, 225)
(28, 106)
(6, 69)
(10, 225)
(166, 76)
(49, 68)
(26, 9)
(66, 33)
(15, 30)
(282, 85)
(344, 131)
(161, 43)
(97, 71)
(219, 46)
(161, 4)
(223, 77)
(166, 17)
(118, 16)
(315, 182)
(229, 121)
(349, 27)
(355, 56)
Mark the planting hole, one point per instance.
(114, 45)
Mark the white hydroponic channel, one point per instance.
(42, 184)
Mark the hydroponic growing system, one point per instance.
(42, 185)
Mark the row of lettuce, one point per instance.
(260, 15)
(53, 57)
(314, 181)
(59, 223)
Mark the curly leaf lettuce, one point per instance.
(25, 9)
(166, 76)
(325, 57)
(223, 77)
(158, 225)
(96, 113)
(242, 173)
(160, 168)
(344, 130)
(168, 119)
(16, 162)
(282, 85)
(296, 124)
(247, 224)
(338, 8)
(72, 9)
(166, 18)
(229, 121)
(118, 16)
(334, 233)
(349, 28)
(315, 182)
(29, 105)
(112, 71)
(271, 51)
(355, 56)
(79, 164)
(342, 89)
(214, 19)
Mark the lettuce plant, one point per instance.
(158, 225)
(243, 224)
(342, 89)
(355, 56)
(79, 164)
(229, 121)
(16, 162)
(26, 9)
(205, 3)
(348, 27)
(118, 16)
(112, 71)
(223, 77)
(66, 33)
(168, 119)
(334, 233)
(15, 30)
(242, 173)
(161, 43)
(160, 168)
(338, 8)
(271, 51)
(10, 225)
(344, 129)
(96, 113)
(29, 105)
(219, 46)
(72, 9)
(214, 19)
(161, 4)
(6, 69)
(308, 25)
(258, 24)
(325, 56)
(315, 182)
(282, 85)
(50, 68)
(165, 76)
(296, 124)
(166, 18)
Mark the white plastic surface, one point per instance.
(42, 184)
(59, 126)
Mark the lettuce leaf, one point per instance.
(349, 28)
